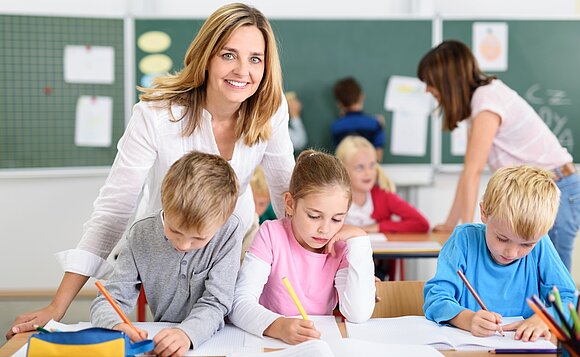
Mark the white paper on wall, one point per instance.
(89, 64)
(409, 133)
(490, 45)
(94, 121)
(459, 139)
(407, 94)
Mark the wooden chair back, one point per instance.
(399, 298)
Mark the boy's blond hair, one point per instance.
(258, 182)
(525, 197)
(352, 144)
(199, 191)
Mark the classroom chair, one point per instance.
(399, 298)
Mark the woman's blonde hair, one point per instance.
(525, 197)
(188, 86)
(352, 144)
(452, 70)
(315, 171)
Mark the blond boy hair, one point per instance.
(258, 183)
(525, 197)
(199, 191)
(352, 144)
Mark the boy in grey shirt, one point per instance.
(186, 257)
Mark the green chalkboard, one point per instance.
(37, 107)
(315, 54)
(543, 67)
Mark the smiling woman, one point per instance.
(227, 100)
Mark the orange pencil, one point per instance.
(115, 306)
(475, 295)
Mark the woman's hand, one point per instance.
(345, 233)
(25, 322)
(292, 331)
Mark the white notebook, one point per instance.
(419, 330)
(346, 347)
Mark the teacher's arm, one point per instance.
(479, 141)
(69, 287)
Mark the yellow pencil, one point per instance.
(295, 298)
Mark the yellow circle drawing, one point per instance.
(158, 63)
(490, 47)
(154, 41)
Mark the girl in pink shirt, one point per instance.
(326, 261)
(504, 130)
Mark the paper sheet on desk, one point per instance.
(377, 237)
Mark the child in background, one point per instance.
(507, 259)
(261, 194)
(326, 261)
(374, 201)
(296, 128)
(350, 100)
(186, 257)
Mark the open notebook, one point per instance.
(425, 332)
(227, 340)
(345, 347)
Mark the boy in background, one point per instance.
(507, 259)
(353, 121)
(185, 256)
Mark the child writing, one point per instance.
(374, 202)
(325, 260)
(353, 121)
(504, 130)
(507, 259)
(185, 256)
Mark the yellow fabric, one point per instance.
(39, 348)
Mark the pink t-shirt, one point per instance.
(311, 274)
(522, 137)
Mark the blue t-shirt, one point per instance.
(358, 123)
(503, 288)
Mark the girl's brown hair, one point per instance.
(188, 86)
(452, 70)
(315, 171)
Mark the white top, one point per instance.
(522, 137)
(150, 145)
(361, 215)
(351, 283)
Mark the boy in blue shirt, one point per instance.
(507, 259)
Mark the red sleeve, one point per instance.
(387, 204)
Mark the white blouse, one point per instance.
(152, 142)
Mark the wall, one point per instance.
(42, 215)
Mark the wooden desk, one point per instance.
(14, 344)
(410, 252)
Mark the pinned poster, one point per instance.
(409, 134)
(490, 45)
(94, 121)
(89, 64)
(407, 94)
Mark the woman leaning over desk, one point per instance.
(503, 130)
(227, 100)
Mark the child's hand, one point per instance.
(485, 323)
(171, 342)
(128, 330)
(292, 331)
(346, 232)
(529, 329)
